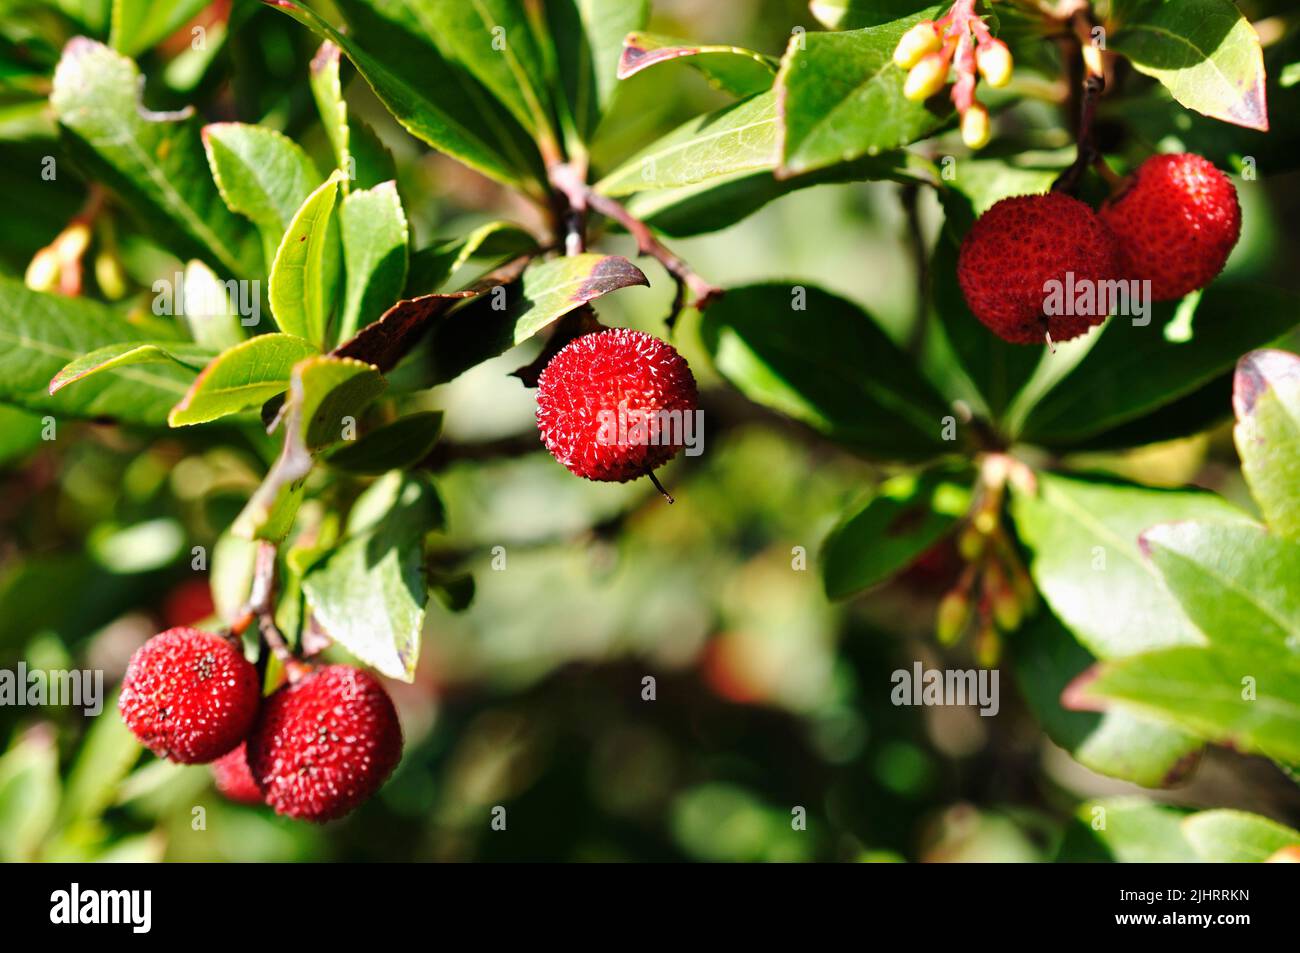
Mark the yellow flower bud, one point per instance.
(954, 611)
(970, 544)
(926, 78)
(975, 127)
(43, 272)
(994, 62)
(72, 241)
(916, 42)
(109, 276)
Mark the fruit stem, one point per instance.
(261, 603)
(659, 486)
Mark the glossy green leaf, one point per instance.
(494, 40)
(1237, 837)
(732, 69)
(1134, 370)
(412, 80)
(192, 356)
(41, 333)
(723, 201)
(840, 96)
(548, 290)
(261, 174)
(370, 593)
(154, 161)
(1266, 398)
(1239, 583)
(1131, 830)
(906, 517)
(241, 378)
(396, 446)
(587, 36)
(29, 794)
(1247, 700)
(1205, 52)
(374, 233)
(20, 432)
(1084, 538)
(137, 25)
(1046, 660)
(305, 272)
(327, 91)
(738, 138)
(823, 360)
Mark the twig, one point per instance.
(261, 605)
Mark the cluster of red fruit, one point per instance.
(1173, 224)
(314, 749)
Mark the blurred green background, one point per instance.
(768, 698)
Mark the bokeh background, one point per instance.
(768, 696)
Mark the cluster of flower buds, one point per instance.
(960, 40)
(994, 590)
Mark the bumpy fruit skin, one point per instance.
(324, 744)
(593, 380)
(233, 778)
(1016, 248)
(189, 696)
(1176, 224)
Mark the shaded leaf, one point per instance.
(431, 267)
(385, 342)
(396, 446)
(828, 365)
(587, 36)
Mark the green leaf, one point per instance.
(588, 37)
(214, 320)
(370, 594)
(305, 273)
(240, 378)
(1047, 660)
(105, 758)
(154, 161)
(547, 291)
(732, 69)
(324, 389)
(840, 96)
(413, 81)
(1205, 52)
(1235, 837)
(374, 233)
(1134, 370)
(827, 364)
(723, 201)
(261, 174)
(1231, 696)
(494, 41)
(137, 25)
(1266, 398)
(1237, 582)
(1084, 538)
(396, 446)
(327, 90)
(738, 138)
(431, 267)
(855, 14)
(41, 333)
(29, 794)
(193, 356)
(20, 432)
(1135, 831)
(907, 516)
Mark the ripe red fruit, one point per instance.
(1017, 247)
(324, 744)
(1175, 224)
(598, 403)
(233, 778)
(189, 696)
